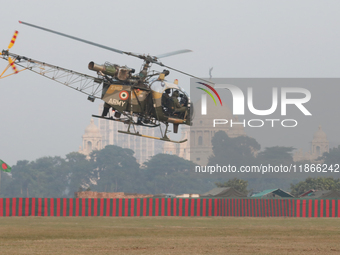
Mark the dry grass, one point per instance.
(168, 235)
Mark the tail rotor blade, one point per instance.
(11, 62)
(13, 39)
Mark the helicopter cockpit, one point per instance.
(174, 101)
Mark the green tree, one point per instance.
(44, 177)
(234, 151)
(5, 179)
(332, 157)
(115, 170)
(238, 184)
(276, 156)
(21, 180)
(320, 183)
(166, 173)
(79, 172)
(50, 177)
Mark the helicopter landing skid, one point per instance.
(164, 138)
(125, 121)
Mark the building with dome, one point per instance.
(144, 148)
(319, 146)
(320, 143)
(96, 138)
(92, 139)
(198, 148)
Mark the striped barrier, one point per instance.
(169, 207)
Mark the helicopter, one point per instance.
(141, 99)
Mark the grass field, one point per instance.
(169, 235)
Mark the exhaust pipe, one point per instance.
(105, 69)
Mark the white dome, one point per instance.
(92, 131)
(320, 135)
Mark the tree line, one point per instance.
(115, 169)
(112, 169)
(245, 151)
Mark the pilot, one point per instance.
(166, 100)
(106, 109)
(179, 108)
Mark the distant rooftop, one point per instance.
(277, 192)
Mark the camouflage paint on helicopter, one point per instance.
(126, 98)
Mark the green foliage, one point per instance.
(19, 181)
(112, 169)
(276, 156)
(320, 183)
(79, 172)
(238, 184)
(171, 174)
(116, 170)
(332, 157)
(234, 151)
(165, 164)
(43, 177)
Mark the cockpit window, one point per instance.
(175, 103)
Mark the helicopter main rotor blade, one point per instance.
(193, 76)
(146, 58)
(74, 38)
(173, 53)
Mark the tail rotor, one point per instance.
(10, 60)
(13, 40)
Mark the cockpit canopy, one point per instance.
(161, 86)
(175, 101)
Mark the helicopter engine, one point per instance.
(119, 72)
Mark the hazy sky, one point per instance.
(238, 38)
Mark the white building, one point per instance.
(92, 139)
(319, 145)
(198, 148)
(144, 148)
